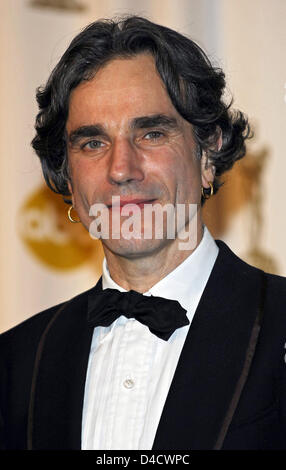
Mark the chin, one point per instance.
(135, 248)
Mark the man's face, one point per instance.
(125, 138)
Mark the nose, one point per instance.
(125, 165)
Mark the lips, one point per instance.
(124, 201)
(139, 202)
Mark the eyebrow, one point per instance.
(154, 120)
(142, 122)
(85, 131)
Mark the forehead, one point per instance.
(122, 89)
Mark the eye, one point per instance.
(92, 145)
(153, 135)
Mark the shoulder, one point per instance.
(28, 332)
(249, 279)
(275, 301)
(19, 339)
(228, 256)
(277, 284)
(246, 279)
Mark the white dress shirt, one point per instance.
(130, 370)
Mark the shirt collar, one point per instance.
(186, 282)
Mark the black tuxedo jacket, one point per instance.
(229, 387)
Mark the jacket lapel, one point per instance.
(213, 356)
(59, 379)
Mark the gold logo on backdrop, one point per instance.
(44, 228)
(67, 5)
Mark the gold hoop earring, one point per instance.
(208, 195)
(70, 217)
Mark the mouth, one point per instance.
(135, 202)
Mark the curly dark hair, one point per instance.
(194, 85)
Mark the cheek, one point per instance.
(188, 180)
(177, 169)
(85, 178)
(160, 169)
(81, 169)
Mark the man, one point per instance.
(133, 113)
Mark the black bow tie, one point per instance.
(162, 316)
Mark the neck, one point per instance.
(140, 273)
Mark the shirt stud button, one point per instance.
(128, 383)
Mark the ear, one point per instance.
(219, 141)
(207, 171)
(71, 192)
